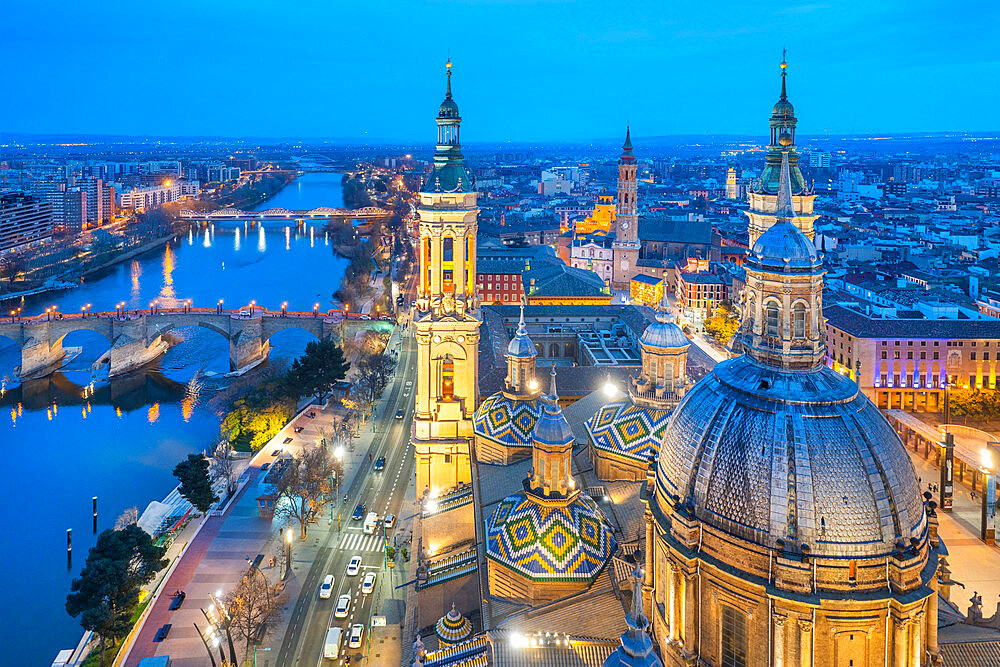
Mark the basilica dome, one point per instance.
(784, 245)
(772, 455)
(664, 334)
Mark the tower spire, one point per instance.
(552, 385)
(784, 71)
(447, 94)
(784, 209)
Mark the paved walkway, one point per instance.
(972, 562)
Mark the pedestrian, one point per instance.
(920, 480)
(972, 494)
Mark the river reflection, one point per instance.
(77, 434)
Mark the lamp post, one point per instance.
(255, 649)
(284, 308)
(203, 641)
(990, 457)
(316, 310)
(288, 552)
(947, 471)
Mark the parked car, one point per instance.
(326, 588)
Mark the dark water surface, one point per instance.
(76, 434)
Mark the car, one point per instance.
(354, 566)
(399, 414)
(343, 606)
(357, 634)
(390, 520)
(368, 585)
(379, 464)
(359, 513)
(326, 588)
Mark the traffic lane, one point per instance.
(315, 630)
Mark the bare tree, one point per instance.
(129, 516)
(224, 465)
(304, 487)
(253, 606)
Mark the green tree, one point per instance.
(318, 370)
(195, 483)
(107, 591)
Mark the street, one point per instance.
(381, 492)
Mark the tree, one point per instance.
(195, 483)
(253, 606)
(224, 464)
(318, 370)
(107, 591)
(303, 488)
(724, 322)
(11, 266)
(129, 516)
(379, 367)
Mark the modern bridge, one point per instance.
(136, 336)
(282, 214)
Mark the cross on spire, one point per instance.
(448, 69)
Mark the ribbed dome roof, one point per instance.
(520, 345)
(783, 108)
(448, 108)
(664, 334)
(801, 456)
(784, 244)
(552, 427)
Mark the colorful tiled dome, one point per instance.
(545, 542)
(628, 430)
(453, 628)
(506, 421)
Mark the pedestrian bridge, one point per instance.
(274, 214)
(136, 336)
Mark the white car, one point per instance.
(368, 585)
(326, 588)
(354, 566)
(390, 520)
(343, 606)
(357, 633)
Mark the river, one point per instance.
(75, 435)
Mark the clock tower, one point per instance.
(625, 248)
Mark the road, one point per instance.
(381, 492)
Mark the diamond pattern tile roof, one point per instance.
(628, 430)
(506, 421)
(550, 543)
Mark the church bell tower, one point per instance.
(446, 319)
(625, 249)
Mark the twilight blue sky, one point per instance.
(525, 70)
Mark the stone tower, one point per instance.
(446, 319)
(626, 244)
(732, 186)
(763, 195)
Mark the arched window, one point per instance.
(799, 321)
(448, 378)
(734, 638)
(772, 319)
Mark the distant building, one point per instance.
(141, 199)
(24, 221)
(732, 184)
(819, 159)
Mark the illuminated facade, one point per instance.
(446, 318)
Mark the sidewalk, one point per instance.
(971, 561)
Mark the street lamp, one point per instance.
(218, 307)
(316, 310)
(252, 304)
(284, 307)
(288, 552)
(255, 649)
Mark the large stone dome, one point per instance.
(800, 457)
(784, 245)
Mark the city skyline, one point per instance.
(687, 72)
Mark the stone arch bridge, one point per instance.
(136, 336)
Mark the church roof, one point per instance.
(506, 421)
(550, 542)
(801, 457)
(453, 628)
(665, 230)
(628, 430)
